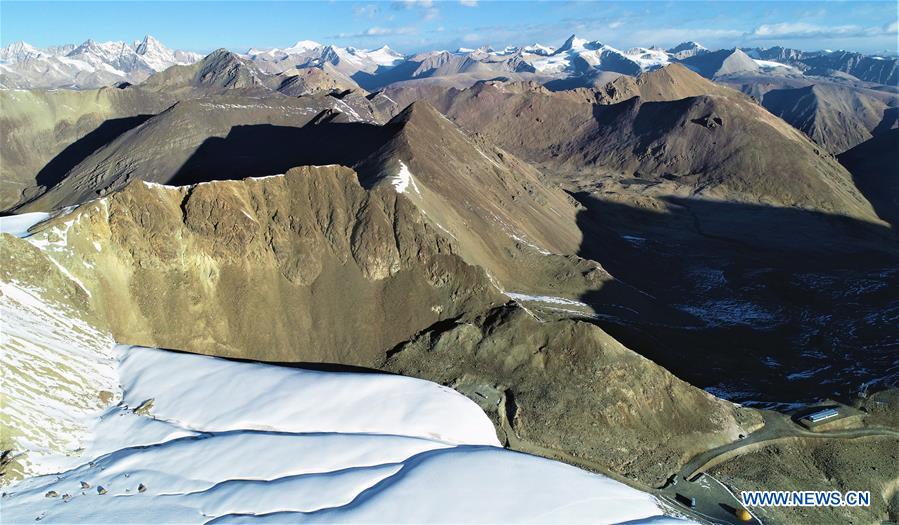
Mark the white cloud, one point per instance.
(800, 30)
(411, 4)
(366, 11)
(377, 31)
(469, 3)
(429, 11)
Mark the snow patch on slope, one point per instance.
(550, 299)
(404, 179)
(770, 64)
(58, 373)
(237, 442)
(18, 225)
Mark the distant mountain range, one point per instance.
(577, 62)
(91, 64)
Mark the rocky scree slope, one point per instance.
(835, 117)
(45, 133)
(215, 137)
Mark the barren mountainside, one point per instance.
(719, 143)
(223, 239)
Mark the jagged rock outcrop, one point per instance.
(307, 266)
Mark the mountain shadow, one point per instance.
(385, 75)
(783, 305)
(55, 170)
(874, 165)
(889, 121)
(251, 150)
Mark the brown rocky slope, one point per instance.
(684, 134)
(259, 268)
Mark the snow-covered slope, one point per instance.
(58, 372)
(91, 64)
(578, 56)
(306, 53)
(238, 441)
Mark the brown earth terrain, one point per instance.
(681, 138)
(869, 463)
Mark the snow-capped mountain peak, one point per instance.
(89, 64)
(687, 49)
(684, 46)
(302, 46)
(159, 57)
(384, 56)
(150, 45)
(573, 44)
(18, 51)
(538, 49)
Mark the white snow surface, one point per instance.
(228, 441)
(239, 396)
(543, 299)
(402, 180)
(770, 64)
(54, 367)
(384, 56)
(17, 225)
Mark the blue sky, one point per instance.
(414, 25)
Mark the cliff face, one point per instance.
(307, 266)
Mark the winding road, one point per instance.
(715, 503)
